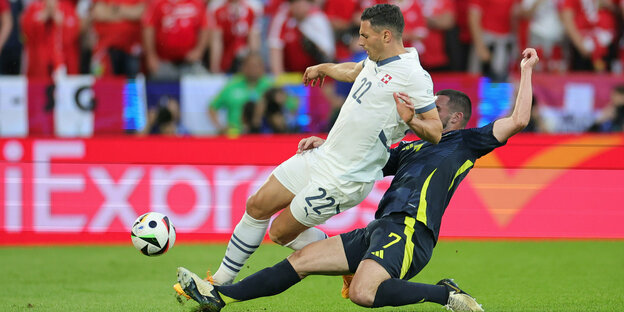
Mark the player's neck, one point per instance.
(391, 51)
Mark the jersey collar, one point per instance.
(388, 60)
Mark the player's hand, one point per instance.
(530, 58)
(405, 107)
(193, 56)
(484, 54)
(313, 76)
(309, 143)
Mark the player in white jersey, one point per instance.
(311, 187)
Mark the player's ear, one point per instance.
(387, 36)
(458, 117)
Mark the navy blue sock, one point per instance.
(267, 282)
(397, 292)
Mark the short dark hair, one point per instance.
(458, 102)
(386, 16)
(619, 89)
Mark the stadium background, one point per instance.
(98, 180)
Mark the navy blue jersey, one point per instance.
(427, 175)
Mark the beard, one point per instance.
(445, 122)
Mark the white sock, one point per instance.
(308, 236)
(247, 236)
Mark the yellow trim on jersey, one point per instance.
(409, 245)
(412, 146)
(422, 206)
(461, 170)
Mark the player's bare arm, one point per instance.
(506, 127)
(346, 72)
(427, 125)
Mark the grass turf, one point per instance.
(502, 275)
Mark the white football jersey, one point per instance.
(358, 144)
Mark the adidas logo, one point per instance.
(378, 253)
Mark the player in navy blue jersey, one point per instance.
(400, 241)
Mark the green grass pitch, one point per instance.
(502, 275)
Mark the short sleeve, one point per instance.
(444, 6)
(4, 6)
(566, 4)
(149, 17)
(481, 140)
(420, 90)
(203, 16)
(477, 4)
(527, 4)
(393, 162)
(342, 10)
(275, 37)
(219, 101)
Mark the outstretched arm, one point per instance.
(347, 72)
(427, 125)
(6, 23)
(506, 127)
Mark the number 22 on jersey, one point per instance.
(364, 87)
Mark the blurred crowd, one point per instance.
(258, 39)
(167, 38)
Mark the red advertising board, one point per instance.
(90, 190)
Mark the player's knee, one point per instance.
(254, 207)
(277, 237)
(361, 295)
(298, 262)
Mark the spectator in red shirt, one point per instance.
(117, 54)
(300, 36)
(51, 29)
(545, 32)
(236, 33)
(344, 18)
(590, 26)
(621, 53)
(6, 22)
(440, 18)
(175, 36)
(415, 25)
(491, 25)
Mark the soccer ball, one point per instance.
(153, 234)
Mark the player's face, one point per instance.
(300, 9)
(370, 40)
(443, 109)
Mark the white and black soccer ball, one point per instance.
(153, 234)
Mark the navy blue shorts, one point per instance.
(399, 243)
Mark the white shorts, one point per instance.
(318, 195)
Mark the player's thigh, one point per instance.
(324, 198)
(400, 244)
(280, 188)
(270, 198)
(325, 257)
(285, 228)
